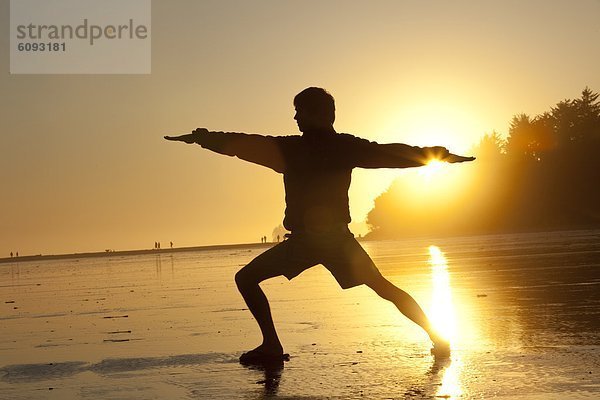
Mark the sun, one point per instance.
(433, 169)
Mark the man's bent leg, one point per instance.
(247, 280)
(279, 260)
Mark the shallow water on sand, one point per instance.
(522, 312)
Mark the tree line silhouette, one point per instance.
(544, 176)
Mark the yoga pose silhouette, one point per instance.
(316, 168)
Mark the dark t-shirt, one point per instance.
(316, 170)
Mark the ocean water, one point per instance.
(522, 313)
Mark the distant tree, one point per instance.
(574, 170)
(520, 135)
(491, 147)
(576, 122)
(588, 116)
(530, 139)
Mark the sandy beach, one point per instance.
(522, 312)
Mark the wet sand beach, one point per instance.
(522, 312)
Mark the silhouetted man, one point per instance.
(317, 168)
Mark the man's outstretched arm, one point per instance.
(398, 155)
(257, 149)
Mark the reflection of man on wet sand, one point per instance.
(317, 168)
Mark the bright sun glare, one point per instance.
(432, 169)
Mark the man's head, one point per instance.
(315, 109)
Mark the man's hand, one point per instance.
(453, 158)
(442, 154)
(189, 138)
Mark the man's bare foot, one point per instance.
(264, 353)
(441, 348)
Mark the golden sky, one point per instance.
(84, 166)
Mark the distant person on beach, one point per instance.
(317, 168)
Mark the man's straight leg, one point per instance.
(405, 303)
(408, 306)
(353, 266)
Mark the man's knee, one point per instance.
(245, 277)
(241, 278)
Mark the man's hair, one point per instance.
(316, 101)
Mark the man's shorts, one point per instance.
(339, 252)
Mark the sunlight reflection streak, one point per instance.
(451, 387)
(444, 319)
(442, 309)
